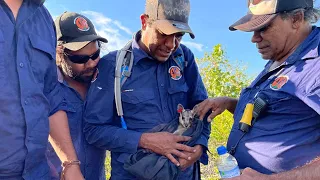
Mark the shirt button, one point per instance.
(257, 87)
(21, 65)
(162, 85)
(165, 108)
(25, 102)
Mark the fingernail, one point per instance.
(178, 164)
(189, 158)
(194, 150)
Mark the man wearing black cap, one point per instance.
(157, 84)
(285, 134)
(78, 53)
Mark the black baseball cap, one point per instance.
(262, 12)
(170, 16)
(75, 31)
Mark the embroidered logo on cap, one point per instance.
(81, 23)
(279, 82)
(175, 73)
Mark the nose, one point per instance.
(171, 42)
(256, 37)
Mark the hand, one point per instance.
(216, 105)
(250, 174)
(193, 157)
(73, 172)
(167, 144)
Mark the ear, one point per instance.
(180, 108)
(144, 21)
(297, 19)
(195, 109)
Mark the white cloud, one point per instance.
(197, 46)
(117, 34)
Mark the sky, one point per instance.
(118, 20)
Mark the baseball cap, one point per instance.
(170, 16)
(262, 12)
(75, 31)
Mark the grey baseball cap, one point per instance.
(170, 16)
(75, 31)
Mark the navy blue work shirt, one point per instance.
(287, 135)
(30, 91)
(149, 98)
(85, 152)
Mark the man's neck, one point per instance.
(81, 88)
(303, 34)
(14, 5)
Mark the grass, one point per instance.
(220, 130)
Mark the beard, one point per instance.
(83, 78)
(78, 76)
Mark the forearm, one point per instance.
(231, 104)
(60, 138)
(310, 171)
(112, 138)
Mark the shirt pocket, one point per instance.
(42, 55)
(137, 100)
(178, 94)
(2, 55)
(75, 119)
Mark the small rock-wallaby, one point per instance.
(186, 118)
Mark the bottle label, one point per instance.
(229, 174)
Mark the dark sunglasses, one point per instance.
(82, 59)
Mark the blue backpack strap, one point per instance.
(178, 57)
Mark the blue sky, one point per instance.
(117, 20)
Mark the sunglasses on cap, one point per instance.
(82, 59)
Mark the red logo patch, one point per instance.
(81, 23)
(279, 82)
(175, 72)
(254, 2)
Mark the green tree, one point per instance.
(221, 78)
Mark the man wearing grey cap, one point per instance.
(284, 131)
(78, 53)
(157, 84)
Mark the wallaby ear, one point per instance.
(195, 109)
(180, 108)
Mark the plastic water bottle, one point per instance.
(227, 164)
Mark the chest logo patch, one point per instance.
(279, 82)
(175, 73)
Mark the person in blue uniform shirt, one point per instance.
(78, 53)
(150, 95)
(284, 141)
(30, 98)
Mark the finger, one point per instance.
(214, 114)
(173, 160)
(181, 154)
(182, 138)
(203, 108)
(185, 148)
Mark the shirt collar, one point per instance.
(136, 49)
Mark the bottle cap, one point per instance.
(222, 150)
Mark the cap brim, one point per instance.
(170, 27)
(252, 22)
(79, 43)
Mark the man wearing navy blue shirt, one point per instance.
(30, 93)
(285, 135)
(78, 53)
(150, 95)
